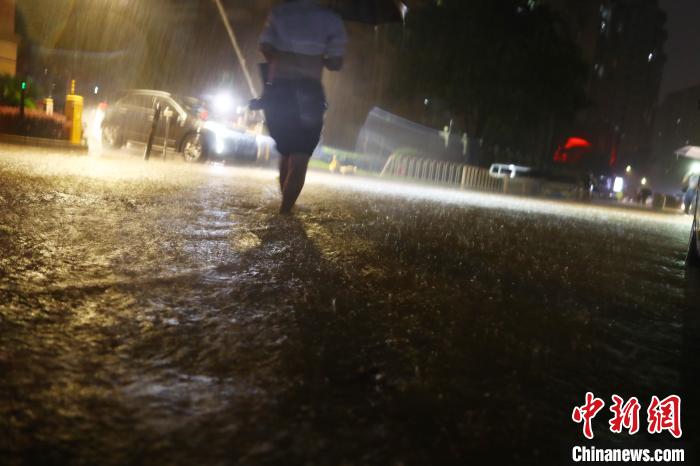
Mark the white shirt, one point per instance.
(305, 28)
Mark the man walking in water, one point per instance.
(300, 39)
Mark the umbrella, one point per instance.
(369, 11)
(692, 152)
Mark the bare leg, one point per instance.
(296, 176)
(284, 171)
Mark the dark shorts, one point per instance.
(294, 114)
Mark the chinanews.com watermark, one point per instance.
(582, 454)
(662, 415)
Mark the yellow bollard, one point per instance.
(74, 114)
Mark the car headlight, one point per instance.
(224, 103)
(219, 146)
(220, 132)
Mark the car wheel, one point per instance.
(194, 149)
(112, 136)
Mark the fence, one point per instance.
(441, 172)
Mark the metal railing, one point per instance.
(441, 172)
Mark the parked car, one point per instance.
(693, 257)
(189, 130)
(505, 170)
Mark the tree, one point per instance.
(10, 92)
(508, 69)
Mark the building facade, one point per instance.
(8, 38)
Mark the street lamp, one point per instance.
(629, 169)
(644, 181)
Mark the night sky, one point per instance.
(683, 45)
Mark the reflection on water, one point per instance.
(167, 315)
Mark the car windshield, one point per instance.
(191, 105)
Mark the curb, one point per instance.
(41, 142)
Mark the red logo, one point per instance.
(662, 415)
(625, 415)
(665, 415)
(587, 412)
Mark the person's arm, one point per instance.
(335, 46)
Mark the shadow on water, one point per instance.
(370, 376)
(331, 363)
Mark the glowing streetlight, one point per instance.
(644, 181)
(223, 103)
(629, 169)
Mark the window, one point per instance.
(145, 101)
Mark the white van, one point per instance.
(504, 170)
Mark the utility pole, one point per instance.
(234, 42)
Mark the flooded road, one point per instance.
(162, 313)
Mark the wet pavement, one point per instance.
(162, 313)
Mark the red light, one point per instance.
(576, 142)
(573, 150)
(613, 155)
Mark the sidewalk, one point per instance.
(41, 142)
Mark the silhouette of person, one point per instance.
(300, 39)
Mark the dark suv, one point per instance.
(130, 118)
